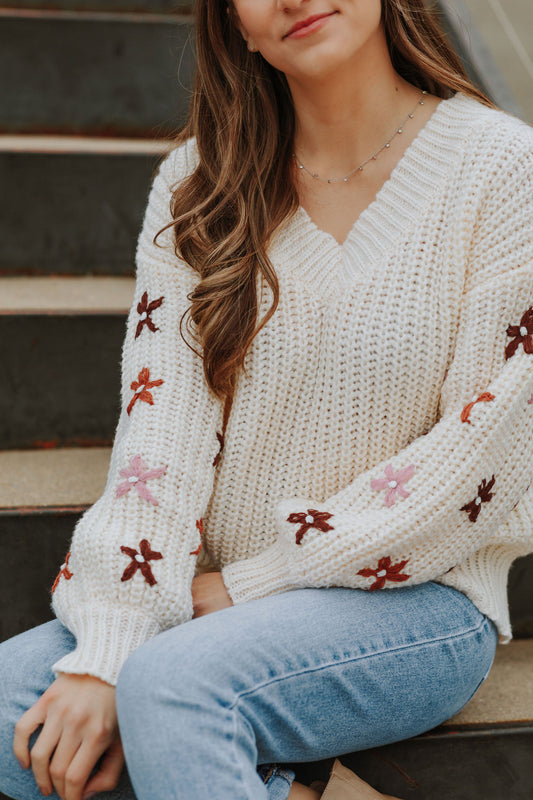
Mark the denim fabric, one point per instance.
(222, 705)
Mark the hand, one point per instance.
(209, 594)
(79, 719)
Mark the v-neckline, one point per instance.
(406, 157)
(422, 168)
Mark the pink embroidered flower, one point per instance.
(393, 483)
(483, 398)
(200, 526)
(385, 572)
(310, 519)
(136, 477)
(141, 387)
(139, 561)
(484, 495)
(64, 572)
(144, 309)
(522, 334)
(530, 401)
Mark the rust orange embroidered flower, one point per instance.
(140, 561)
(141, 388)
(484, 495)
(522, 335)
(483, 398)
(64, 572)
(221, 447)
(311, 519)
(386, 571)
(200, 526)
(144, 309)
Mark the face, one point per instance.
(350, 29)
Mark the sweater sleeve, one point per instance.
(427, 508)
(133, 554)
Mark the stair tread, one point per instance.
(70, 477)
(68, 143)
(506, 697)
(66, 294)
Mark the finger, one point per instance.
(62, 758)
(42, 752)
(81, 766)
(108, 776)
(27, 724)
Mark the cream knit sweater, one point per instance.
(382, 435)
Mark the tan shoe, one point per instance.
(344, 784)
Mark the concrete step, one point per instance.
(88, 198)
(98, 72)
(484, 753)
(42, 494)
(60, 349)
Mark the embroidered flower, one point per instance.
(484, 495)
(221, 447)
(136, 477)
(311, 519)
(385, 572)
(520, 498)
(483, 398)
(63, 572)
(530, 401)
(141, 387)
(393, 482)
(200, 526)
(144, 309)
(522, 334)
(140, 561)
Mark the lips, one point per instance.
(304, 23)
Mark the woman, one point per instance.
(343, 426)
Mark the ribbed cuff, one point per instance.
(260, 576)
(105, 636)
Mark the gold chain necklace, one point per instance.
(371, 158)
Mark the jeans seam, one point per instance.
(361, 656)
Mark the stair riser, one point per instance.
(78, 213)
(150, 6)
(37, 547)
(63, 379)
(492, 766)
(108, 77)
(38, 542)
(521, 597)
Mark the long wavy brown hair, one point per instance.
(226, 211)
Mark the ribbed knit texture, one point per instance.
(355, 454)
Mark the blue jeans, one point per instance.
(222, 705)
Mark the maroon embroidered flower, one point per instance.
(221, 447)
(484, 495)
(522, 334)
(140, 561)
(200, 526)
(385, 572)
(64, 572)
(144, 309)
(393, 483)
(483, 398)
(136, 476)
(141, 387)
(311, 519)
(530, 401)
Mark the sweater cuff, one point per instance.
(259, 576)
(105, 636)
